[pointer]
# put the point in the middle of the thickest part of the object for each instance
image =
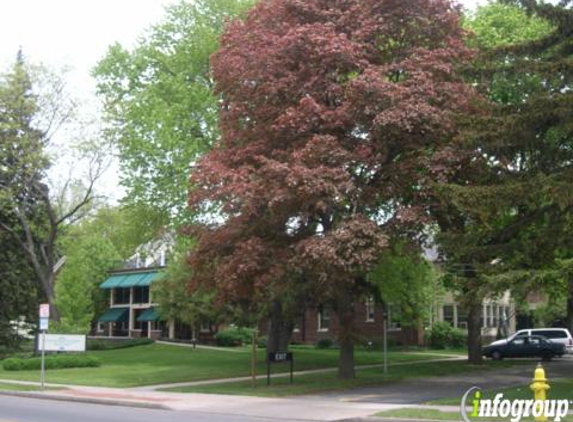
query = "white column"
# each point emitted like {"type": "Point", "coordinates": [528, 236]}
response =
{"type": "Point", "coordinates": [131, 321]}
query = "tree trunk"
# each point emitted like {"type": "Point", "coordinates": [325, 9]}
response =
{"type": "Point", "coordinates": [279, 329]}
{"type": "Point", "coordinates": [474, 333]}
{"type": "Point", "coordinates": [49, 289]}
{"type": "Point", "coordinates": [569, 321]}
{"type": "Point", "coordinates": [345, 313]}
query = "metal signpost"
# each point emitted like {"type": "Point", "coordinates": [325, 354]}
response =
{"type": "Point", "coordinates": [279, 357]}
{"type": "Point", "coordinates": [44, 312]}
{"type": "Point", "coordinates": [385, 337]}
{"type": "Point", "coordinates": [254, 359]}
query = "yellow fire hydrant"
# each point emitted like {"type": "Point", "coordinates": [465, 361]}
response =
{"type": "Point", "coordinates": [539, 386]}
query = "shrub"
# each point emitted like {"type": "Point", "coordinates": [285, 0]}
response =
{"type": "Point", "coordinates": [103, 344]}
{"type": "Point", "coordinates": [262, 342]}
{"type": "Point", "coordinates": [324, 343]}
{"type": "Point", "coordinates": [459, 339]}
{"type": "Point", "coordinates": [235, 336]}
{"type": "Point", "coordinates": [52, 362]}
{"type": "Point", "coordinates": [442, 336]}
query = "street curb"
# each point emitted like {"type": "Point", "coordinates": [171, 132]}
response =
{"type": "Point", "coordinates": [88, 400]}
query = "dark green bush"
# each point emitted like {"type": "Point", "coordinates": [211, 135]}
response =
{"type": "Point", "coordinates": [112, 344]}
{"type": "Point", "coordinates": [324, 343]}
{"type": "Point", "coordinates": [443, 336]}
{"type": "Point", "coordinates": [233, 337]}
{"type": "Point", "coordinates": [262, 342]}
{"type": "Point", "coordinates": [52, 362]}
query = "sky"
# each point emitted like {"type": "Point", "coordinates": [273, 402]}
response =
{"type": "Point", "coordinates": [75, 34]}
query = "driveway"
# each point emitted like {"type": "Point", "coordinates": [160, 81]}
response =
{"type": "Point", "coordinates": [422, 390]}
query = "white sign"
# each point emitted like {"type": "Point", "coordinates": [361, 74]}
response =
{"type": "Point", "coordinates": [45, 310]}
{"type": "Point", "coordinates": [44, 324]}
{"type": "Point", "coordinates": [64, 343]}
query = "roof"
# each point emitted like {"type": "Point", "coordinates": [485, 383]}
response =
{"type": "Point", "coordinates": [115, 315]}
{"type": "Point", "coordinates": [129, 279]}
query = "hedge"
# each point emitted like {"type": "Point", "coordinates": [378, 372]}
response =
{"type": "Point", "coordinates": [52, 362]}
{"type": "Point", "coordinates": [443, 336]}
{"type": "Point", "coordinates": [234, 337]}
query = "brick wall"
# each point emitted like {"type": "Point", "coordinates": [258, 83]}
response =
{"type": "Point", "coordinates": [307, 330]}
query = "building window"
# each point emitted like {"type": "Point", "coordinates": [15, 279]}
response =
{"type": "Point", "coordinates": [323, 320]}
{"type": "Point", "coordinates": [491, 318]}
{"type": "Point", "coordinates": [141, 295]}
{"type": "Point", "coordinates": [394, 317]}
{"type": "Point", "coordinates": [205, 327]}
{"type": "Point", "coordinates": [504, 314]}
{"type": "Point", "coordinates": [139, 325]}
{"type": "Point", "coordinates": [462, 318]}
{"type": "Point", "coordinates": [370, 309]}
{"type": "Point", "coordinates": [120, 296]}
{"type": "Point", "coordinates": [449, 314]}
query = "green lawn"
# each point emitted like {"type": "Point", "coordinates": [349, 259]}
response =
{"type": "Point", "coordinates": [156, 364]}
{"type": "Point", "coordinates": [419, 415]}
{"type": "Point", "coordinates": [562, 389]}
{"type": "Point", "coordinates": [315, 383]}
{"type": "Point", "coordinates": [20, 387]}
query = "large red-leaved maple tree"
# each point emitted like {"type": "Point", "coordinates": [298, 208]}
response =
{"type": "Point", "coordinates": [329, 112]}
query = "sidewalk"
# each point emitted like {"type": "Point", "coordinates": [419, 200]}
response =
{"type": "Point", "coordinates": [285, 374]}
{"type": "Point", "coordinates": [290, 409]}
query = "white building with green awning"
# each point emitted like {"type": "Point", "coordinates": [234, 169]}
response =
{"type": "Point", "coordinates": [132, 312]}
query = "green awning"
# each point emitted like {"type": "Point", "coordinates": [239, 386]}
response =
{"type": "Point", "coordinates": [151, 314]}
{"type": "Point", "coordinates": [115, 315]}
{"type": "Point", "coordinates": [135, 279]}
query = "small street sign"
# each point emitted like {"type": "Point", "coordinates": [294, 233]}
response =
{"type": "Point", "coordinates": [44, 324]}
{"type": "Point", "coordinates": [45, 310]}
{"type": "Point", "coordinates": [279, 357]}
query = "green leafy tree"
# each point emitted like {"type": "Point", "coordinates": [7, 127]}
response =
{"type": "Point", "coordinates": [506, 208]}
{"type": "Point", "coordinates": [160, 107]}
{"type": "Point", "coordinates": [32, 106]}
{"type": "Point", "coordinates": [123, 226]}
{"type": "Point", "coordinates": [405, 279]}
{"type": "Point", "coordinates": [19, 289]}
{"type": "Point", "coordinates": [322, 108]}
{"type": "Point", "coordinates": [500, 25]}
{"type": "Point", "coordinates": [176, 300]}
{"type": "Point", "coordinates": [78, 296]}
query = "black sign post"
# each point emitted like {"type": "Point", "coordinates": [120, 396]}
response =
{"type": "Point", "coordinates": [279, 357]}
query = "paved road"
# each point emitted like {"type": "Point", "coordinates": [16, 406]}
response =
{"type": "Point", "coordinates": [419, 391]}
{"type": "Point", "coordinates": [16, 409]}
